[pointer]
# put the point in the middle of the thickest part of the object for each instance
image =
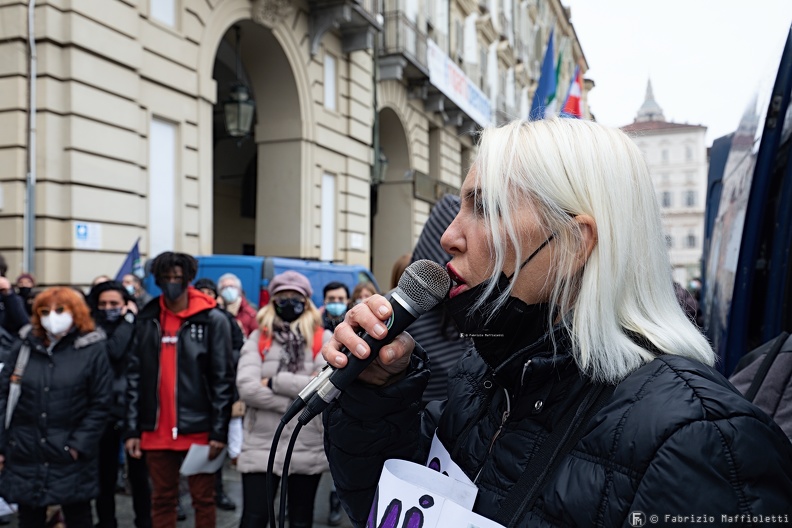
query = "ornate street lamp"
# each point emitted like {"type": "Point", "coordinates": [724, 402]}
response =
{"type": "Point", "coordinates": [239, 107]}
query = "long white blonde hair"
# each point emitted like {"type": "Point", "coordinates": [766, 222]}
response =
{"type": "Point", "coordinates": [568, 167]}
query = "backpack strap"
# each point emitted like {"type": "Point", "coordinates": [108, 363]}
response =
{"type": "Point", "coordinates": [556, 446]}
{"type": "Point", "coordinates": [15, 387]}
{"type": "Point", "coordinates": [265, 342]}
{"type": "Point", "coordinates": [764, 368]}
{"type": "Point", "coordinates": [317, 340]}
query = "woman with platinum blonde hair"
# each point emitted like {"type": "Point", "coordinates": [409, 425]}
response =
{"type": "Point", "coordinates": [588, 395]}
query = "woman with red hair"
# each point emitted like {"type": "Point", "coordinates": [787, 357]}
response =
{"type": "Point", "coordinates": [49, 438]}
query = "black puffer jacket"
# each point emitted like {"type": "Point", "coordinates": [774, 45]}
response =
{"type": "Point", "coordinates": [64, 403]}
{"type": "Point", "coordinates": [673, 439]}
{"type": "Point", "coordinates": [204, 378]}
{"type": "Point", "coordinates": [120, 345]}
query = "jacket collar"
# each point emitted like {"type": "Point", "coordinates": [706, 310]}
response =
{"type": "Point", "coordinates": [547, 354]}
{"type": "Point", "coordinates": [152, 310]}
{"type": "Point", "coordinates": [73, 338]}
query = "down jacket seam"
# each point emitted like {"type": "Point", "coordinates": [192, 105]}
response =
{"type": "Point", "coordinates": [617, 432]}
{"type": "Point", "coordinates": [607, 464]}
{"type": "Point", "coordinates": [685, 380]}
{"type": "Point", "coordinates": [677, 431]}
{"type": "Point", "coordinates": [734, 477]}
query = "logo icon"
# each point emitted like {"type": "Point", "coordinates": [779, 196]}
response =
{"type": "Point", "coordinates": [637, 518]}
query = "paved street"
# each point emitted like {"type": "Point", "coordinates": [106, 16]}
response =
{"type": "Point", "coordinates": [233, 486]}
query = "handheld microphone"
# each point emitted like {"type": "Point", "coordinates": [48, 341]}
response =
{"type": "Point", "coordinates": [422, 286]}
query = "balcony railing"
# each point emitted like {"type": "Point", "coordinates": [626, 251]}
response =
{"type": "Point", "coordinates": [401, 36]}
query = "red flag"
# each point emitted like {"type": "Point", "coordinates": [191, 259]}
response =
{"type": "Point", "coordinates": [572, 103]}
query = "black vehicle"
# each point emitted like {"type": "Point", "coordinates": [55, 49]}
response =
{"type": "Point", "coordinates": [747, 290]}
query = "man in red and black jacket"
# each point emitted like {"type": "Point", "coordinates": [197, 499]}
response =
{"type": "Point", "coordinates": [180, 387]}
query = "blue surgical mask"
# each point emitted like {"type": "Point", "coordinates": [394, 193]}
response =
{"type": "Point", "coordinates": [130, 289]}
{"type": "Point", "coordinates": [230, 294]}
{"type": "Point", "coordinates": [336, 309]}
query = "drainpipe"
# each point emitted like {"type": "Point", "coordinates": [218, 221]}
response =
{"type": "Point", "coordinates": [376, 167]}
{"type": "Point", "coordinates": [29, 236]}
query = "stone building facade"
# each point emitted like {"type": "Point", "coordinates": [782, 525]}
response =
{"type": "Point", "coordinates": [677, 157]}
{"type": "Point", "coordinates": [365, 112]}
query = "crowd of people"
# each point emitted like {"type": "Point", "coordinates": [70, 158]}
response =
{"type": "Point", "coordinates": [562, 377]}
{"type": "Point", "coordinates": [88, 376]}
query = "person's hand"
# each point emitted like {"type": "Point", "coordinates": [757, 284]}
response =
{"type": "Point", "coordinates": [133, 448]}
{"type": "Point", "coordinates": [74, 454]}
{"type": "Point", "coordinates": [214, 448]}
{"type": "Point", "coordinates": [130, 306]}
{"type": "Point", "coordinates": [369, 315]}
{"type": "Point", "coordinates": [265, 382]}
{"type": "Point", "coordinates": [5, 286]}
{"type": "Point", "coordinates": [2, 462]}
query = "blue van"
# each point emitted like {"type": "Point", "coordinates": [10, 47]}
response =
{"type": "Point", "coordinates": [257, 272]}
{"type": "Point", "coordinates": [747, 276]}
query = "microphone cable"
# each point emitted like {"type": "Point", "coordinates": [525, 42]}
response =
{"type": "Point", "coordinates": [285, 477]}
{"type": "Point", "coordinates": [421, 287]}
{"type": "Point", "coordinates": [269, 488]}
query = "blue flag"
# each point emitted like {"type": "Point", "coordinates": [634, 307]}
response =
{"type": "Point", "coordinates": [132, 263]}
{"type": "Point", "coordinates": [547, 83]}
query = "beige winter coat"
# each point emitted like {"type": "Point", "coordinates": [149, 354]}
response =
{"type": "Point", "coordinates": [264, 408]}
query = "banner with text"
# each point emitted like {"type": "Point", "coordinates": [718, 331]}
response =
{"type": "Point", "coordinates": [454, 84]}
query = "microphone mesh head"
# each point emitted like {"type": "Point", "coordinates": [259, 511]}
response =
{"type": "Point", "coordinates": [426, 283]}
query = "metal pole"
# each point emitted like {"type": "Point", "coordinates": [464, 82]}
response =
{"type": "Point", "coordinates": [29, 240]}
{"type": "Point", "coordinates": [376, 167]}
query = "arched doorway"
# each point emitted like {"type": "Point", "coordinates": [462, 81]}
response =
{"type": "Point", "coordinates": [393, 218]}
{"type": "Point", "coordinates": [257, 180]}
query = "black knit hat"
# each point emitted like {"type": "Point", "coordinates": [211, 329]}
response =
{"type": "Point", "coordinates": [206, 284]}
{"type": "Point", "coordinates": [441, 216]}
{"type": "Point", "coordinates": [93, 296]}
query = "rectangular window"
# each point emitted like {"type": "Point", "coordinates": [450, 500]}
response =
{"type": "Point", "coordinates": [330, 93]}
{"type": "Point", "coordinates": [162, 186]}
{"type": "Point", "coordinates": [664, 155]}
{"type": "Point", "coordinates": [669, 241]}
{"type": "Point", "coordinates": [690, 198]}
{"type": "Point", "coordinates": [691, 240]}
{"type": "Point", "coordinates": [666, 200]}
{"type": "Point", "coordinates": [328, 227]}
{"type": "Point", "coordinates": [163, 11]}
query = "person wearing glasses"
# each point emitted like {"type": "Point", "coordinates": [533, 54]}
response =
{"type": "Point", "coordinates": [179, 387]}
{"type": "Point", "coordinates": [56, 413]}
{"type": "Point", "coordinates": [278, 360]}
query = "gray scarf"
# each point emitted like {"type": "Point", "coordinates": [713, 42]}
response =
{"type": "Point", "coordinates": [293, 346]}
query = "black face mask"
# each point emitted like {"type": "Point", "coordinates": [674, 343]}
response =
{"type": "Point", "coordinates": [110, 316]}
{"type": "Point", "coordinates": [173, 290]}
{"type": "Point", "coordinates": [514, 326]}
{"type": "Point", "coordinates": [24, 292]}
{"type": "Point", "coordinates": [289, 309]}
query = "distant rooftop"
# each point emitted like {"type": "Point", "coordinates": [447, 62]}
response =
{"type": "Point", "coordinates": [647, 126]}
{"type": "Point", "coordinates": [650, 110]}
{"type": "Point", "coordinates": [650, 116]}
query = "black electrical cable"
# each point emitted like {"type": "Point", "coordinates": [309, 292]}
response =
{"type": "Point", "coordinates": [269, 488]}
{"type": "Point", "coordinates": [285, 475]}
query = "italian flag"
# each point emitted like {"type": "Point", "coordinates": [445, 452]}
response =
{"type": "Point", "coordinates": [572, 103]}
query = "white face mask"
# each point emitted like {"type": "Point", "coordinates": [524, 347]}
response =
{"type": "Point", "coordinates": [230, 294]}
{"type": "Point", "coordinates": [57, 324]}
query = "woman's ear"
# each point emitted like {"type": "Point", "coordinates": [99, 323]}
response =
{"type": "Point", "coordinates": [588, 234]}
